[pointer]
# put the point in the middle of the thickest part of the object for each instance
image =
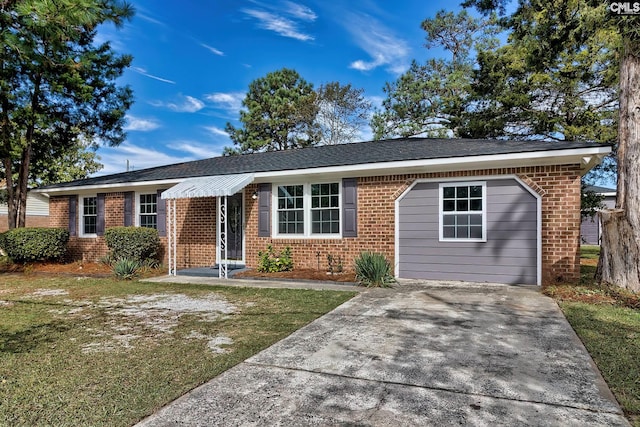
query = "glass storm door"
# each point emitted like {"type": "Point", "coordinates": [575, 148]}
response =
{"type": "Point", "coordinates": [234, 227]}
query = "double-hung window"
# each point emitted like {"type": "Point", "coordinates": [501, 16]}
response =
{"type": "Point", "coordinates": [291, 209]}
{"type": "Point", "coordinates": [148, 210]}
{"type": "Point", "coordinates": [308, 209]}
{"type": "Point", "coordinates": [89, 215]}
{"type": "Point", "coordinates": [463, 211]}
{"type": "Point", "coordinates": [325, 208]}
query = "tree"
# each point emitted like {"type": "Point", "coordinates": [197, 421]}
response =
{"type": "Point", "coordinates": [58, 93]}
{"type": "Point", "coordinates": [342, 112]}
{"type": "Point", "coordinates": [432, 98]}
{"type": "Point", "coordinates": [280, 115]}
{"type": "Point", "coordinates": [574, 24]}
{"type": "Point", "coordinates": [527, 89]}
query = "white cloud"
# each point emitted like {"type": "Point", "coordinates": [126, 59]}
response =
{"type": "Point", "coordinates": [187, 104]}
{"type": "Point", "coordinates": [214, 130]}
{"type": "Point", "coordinates": [279, 24]}
{"type": "Point", "coordinates": [376, 101]}
{"type": "Point", "coordinates": [197, 149]}
{"type": "Point", "coordinates": [143, 72]}
{"type": "Point", "coordinates": [230, 101]}
{"type": "Point", "coordinates": [115, 159]}
{"type": "Point", "coordinates": [150, 19]}
{"type": "Point", "coordinates": [212, 49]}
{"type": "Point", "coordinates": [299, 11]}
{"type": "Point", "coordinates": [138, 124]}
{"type": "Point", "coordinates": [383, 47]}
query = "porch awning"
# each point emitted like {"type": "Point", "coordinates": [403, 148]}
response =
{"type": "Point", "coordinates": [209, 186]}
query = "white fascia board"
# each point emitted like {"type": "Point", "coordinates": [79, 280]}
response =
{"type": "Point", "coordinates": [128, 186]}
{"type": "Point", "coordinates": [536, 158]}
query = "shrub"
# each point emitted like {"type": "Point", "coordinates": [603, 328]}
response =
{"type": "Point", "coordinates": [126, 268]}
{"type": "Point", "coordinates": [133, 243]}
{"type": "Point", "coordinates": [270, 262]}
{"type": "Point", "coordinates": [35, 244]}
{"type": "Point", "coordinates": [373, 270]}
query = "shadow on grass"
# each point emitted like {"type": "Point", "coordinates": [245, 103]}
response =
{"type": "Point", "coordinates": [31, 338]}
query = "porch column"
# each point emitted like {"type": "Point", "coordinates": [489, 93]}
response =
{"type": "Point", "coordinates": [222, 236]}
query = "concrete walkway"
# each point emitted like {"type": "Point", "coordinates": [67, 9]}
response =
{"type": "Point", "coordinates": [419, 354]}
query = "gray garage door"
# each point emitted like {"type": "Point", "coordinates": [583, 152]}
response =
{"type": "Point", "coordinates": [509, 254]}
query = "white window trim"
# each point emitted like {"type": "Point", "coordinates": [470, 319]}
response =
{"type": "Point", "coordinates": [137, 205]}
{"type": "Point", "coordinates": [81, 232]}
{"type": "Point", "coordinates": [441, 214]}
{"type": "Point", "coordinates": [306, 194]}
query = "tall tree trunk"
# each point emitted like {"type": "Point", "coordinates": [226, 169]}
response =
{"type": "Point", "coordinates": [23, 184]}
{"type": "Point", "coordinates": [6, 162]}
{"type": "Point", "coordinates": [619, 261]}
{"type": "Point", "coordinates": [20, 196]}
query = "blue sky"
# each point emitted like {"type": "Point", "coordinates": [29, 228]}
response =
{"type": "Point", "coordinates": [194, 60]}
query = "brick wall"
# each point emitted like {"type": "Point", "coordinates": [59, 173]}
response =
{"type": "Point", "coordinates": [30, 221]}
{"type": "Point", "coordinates": [559, 187]}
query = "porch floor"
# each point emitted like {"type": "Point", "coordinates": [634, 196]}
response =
{"type": "Point", "coordinates": [211, 271]}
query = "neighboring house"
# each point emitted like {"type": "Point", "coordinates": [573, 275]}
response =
{"type": "Point", "coordinates": [590, 228]}
{"type": "Point", "coordinates": [443, 209]}
{"type": "Point", "coordinates": [37, 214]}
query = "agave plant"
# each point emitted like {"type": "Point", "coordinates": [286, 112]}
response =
{"type": "Point", "coordinates": [373, 270]}
{"type": "Point", "coordinates": [126, 269]}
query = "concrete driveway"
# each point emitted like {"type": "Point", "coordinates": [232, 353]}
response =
{"type": "Point", "coordinates": [419, 354]}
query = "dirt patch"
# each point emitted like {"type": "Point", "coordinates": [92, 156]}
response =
{"type": "Point", "coordinates": [299, 274]}
{"type": "Point", "coordinates": [140, 317]}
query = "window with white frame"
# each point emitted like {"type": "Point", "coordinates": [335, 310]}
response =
{"type": "Point", "coordinates": [308, 209]}
{"type": "Point", "coordinates": [89, 215]}
{"type": "Point", "coordinates": [148, 210]}
{"type": "Point", "coordinates": [325, 208]}
{"type": "Point", "coordinates": [462, 211]}
{"type": "Point", "coordinates": [290, 209]}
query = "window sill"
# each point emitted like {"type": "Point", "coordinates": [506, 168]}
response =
{"type": "Point", "coordinates": [463, 240]}
{"type": "Point", "coordinates": [310, 237]}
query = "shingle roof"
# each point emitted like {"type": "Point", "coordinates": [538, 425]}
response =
{"type": "Point", "coordinates": [390, 150]}
{"type": "Point", "coordinates": [598, 189]}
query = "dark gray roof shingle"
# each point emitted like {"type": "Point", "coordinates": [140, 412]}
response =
{"type": "Point", "coordinates": [390, 150]}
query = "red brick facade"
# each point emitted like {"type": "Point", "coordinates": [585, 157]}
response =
{"type": "Point", "coordinates": [559, 187]}
{"type": "Point", "coordinates": [30, 221]}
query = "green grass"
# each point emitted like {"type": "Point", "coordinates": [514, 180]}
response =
{"type": "Point", "coordinates": [612, 337]}
{"type": "Point", "coordinates": [607, 320]}
{"type": "Point", "coordinates": [80, 351]}
{"type": "Point", "coordinates": [589, 251]}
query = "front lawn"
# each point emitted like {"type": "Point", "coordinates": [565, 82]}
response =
{"type": "Point", "coordinates": [87, 351]}
{"type": "Point", "coordinates": [607, 320]}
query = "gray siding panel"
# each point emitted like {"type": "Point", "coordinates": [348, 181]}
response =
{"type": "Point", "coordinates": [508, 256]}
{"type": "Point", "coordinates": [590, 231]}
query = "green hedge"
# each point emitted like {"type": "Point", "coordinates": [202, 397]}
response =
{"type": "Point", "coordinates": [132, 243]}
{"type": "Point", "coordinates": [35, 244]}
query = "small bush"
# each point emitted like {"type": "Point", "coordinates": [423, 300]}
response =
{"type": "Point", "coordinates": [5, 263]}
{"type": "Point", "coordinates": [35, 244]}
{"type": "Point", "coordinates": [270, 262]}
{"type": "Point", "coordinates": [373, 270]}
{"type": "Point", "coordinates": [126, 269]}
{"type": "Point", "coordinates": [134, 243]}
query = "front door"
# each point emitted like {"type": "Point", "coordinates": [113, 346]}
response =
{"type": "Point", "coordinates": [234, 227]}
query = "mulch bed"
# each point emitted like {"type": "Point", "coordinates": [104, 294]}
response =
{"type": "Point", "coordinates": [299, 274]}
